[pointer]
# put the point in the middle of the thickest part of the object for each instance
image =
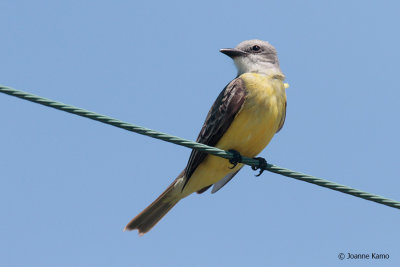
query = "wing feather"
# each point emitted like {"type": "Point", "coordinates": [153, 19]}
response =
{"type": "Point", "coordinates": [217, 122]}
{"type": "Point", "coordinates": [282, 122]}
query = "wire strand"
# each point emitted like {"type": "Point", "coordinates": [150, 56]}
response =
{"type": "Point", "coordinates": [201, 147]}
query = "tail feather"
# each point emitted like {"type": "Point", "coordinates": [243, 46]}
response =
{"type": "Point", "coordinates": [151, 215]}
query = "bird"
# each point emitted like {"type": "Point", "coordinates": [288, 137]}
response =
{"type": "Point", "coordinates": [243, 119]}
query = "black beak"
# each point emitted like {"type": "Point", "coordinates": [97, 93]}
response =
{"type": "Point", "coordinates": [233, 52]}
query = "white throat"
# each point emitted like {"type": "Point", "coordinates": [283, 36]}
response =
{"type": "Point", "coordinates": [255, 65]}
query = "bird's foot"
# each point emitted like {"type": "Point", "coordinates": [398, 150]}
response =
{"type": "Point", "coordinates": [262, 165]}
{"type": "Point", "coordinates": [236, 158]}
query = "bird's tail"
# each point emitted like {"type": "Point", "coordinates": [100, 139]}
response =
{"type": "Point", "coordinates": [151, 215]}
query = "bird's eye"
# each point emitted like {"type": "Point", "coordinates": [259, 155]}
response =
{"type": "Point", "coordinates": [255, 48]}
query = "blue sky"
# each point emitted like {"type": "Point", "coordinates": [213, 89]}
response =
{"type": "Point", "coordinates": [69, 185]}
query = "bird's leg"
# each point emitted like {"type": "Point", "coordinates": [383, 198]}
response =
{"type": "Point", "coordinates": [262, 165]}
{"type": "Point", "coordinates": [236, 158]}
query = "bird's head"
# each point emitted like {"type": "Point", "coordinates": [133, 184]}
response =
{"type": "Point", "coordinates": [254, 56]}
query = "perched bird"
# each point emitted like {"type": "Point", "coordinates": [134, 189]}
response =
{"type": "Point", "coordinates": [244, 118]}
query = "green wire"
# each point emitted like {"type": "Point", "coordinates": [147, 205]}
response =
{"type": "Point", "coordinates": [198, 146]}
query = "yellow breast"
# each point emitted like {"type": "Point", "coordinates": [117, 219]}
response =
{"type": "Point", "coordinates": [251, 130]}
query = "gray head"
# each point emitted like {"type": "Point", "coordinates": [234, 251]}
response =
{"type": "Point", "coordinates": [254, 56]}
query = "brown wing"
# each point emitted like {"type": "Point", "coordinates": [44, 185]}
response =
{"type": "Point", "coordinates": [282, 122]}
{"type": "Point", "coordinates": [218, 120]}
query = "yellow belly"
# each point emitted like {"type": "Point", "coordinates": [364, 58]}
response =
{"type": "Point", "coordinates": [251, 130]}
